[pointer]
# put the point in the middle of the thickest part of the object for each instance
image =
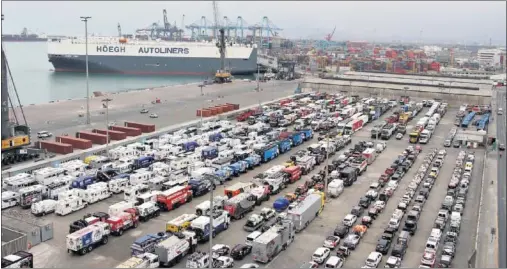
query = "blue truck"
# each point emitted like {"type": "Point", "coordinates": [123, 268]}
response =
{"type": "Point", "coordinates": [284, 145]}
{"type": "Point", "coordinates": [238, 167]}
{"type": "Point", "coordinates": [82, 182]}
{"type": "Point", "coordinates": [308, 134]}
{"type": "Point", "coordinates": [147, 243]}
{"type": "Point", "coordinates": [209, 153]}
{"type": "Point", "coordinates": [189, 146]}
{"type": "Point", "coordinates": [224, 174]}
{"type": "Point", "coordinates": [268, 153]}
{"type": "Point", "coordinates": [215, 137]}
{"type": "Point", "coordinates": [297, 138]}
{"type": "Point", "coordinates": [253, 161]}
{"type": "Point", "coordinates": [143, 162]}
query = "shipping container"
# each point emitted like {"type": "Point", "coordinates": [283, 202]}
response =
{"type": "Point", "coordinates": [130, 131]}
{"type": "Point", "coordinates": [99, 139]}
{"type": "Point", "coordinates": [78, 143]}
{"type": "Point", "coordinates": [145, 128]}
{"type": "Point", "coordinates": [55, 147]}
{"type": "Point", "coordinates": [32, 231]}
{"type": "Point", "coordinates": [198, 113]}
{"type": "Point", "coordinates": [206, 113]}
{"type": "Point", "coordinates": [214, 111]}
{"type": "Point", "coordinates": [235, 106]}
{"type": "Point", "coordinates": [219, 109]}
{"type": "Point", "coordinates": [13, 241]}
{"type": "Point", "coordinates": [113, 135]}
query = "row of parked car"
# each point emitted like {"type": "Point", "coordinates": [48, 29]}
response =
{"type": "Point", "coordinates": [447, 225]}
{"type": "Point", "coordinates": [348, 233]}
{"type": "Point", "coordinates": [418, 196]}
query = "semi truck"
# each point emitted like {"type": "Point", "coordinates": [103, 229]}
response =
{"type": "Point", "coordinates": [171, 250]}
{"type": "Point", "coordinates": [239, 205]}
{"type": "Point", "coordinates": [306, 210]}
{"type": "Point", "coordinates": [268, 152]}
{"type": "Point", "coordinates": [273, 241]}
{"type": "Point", "coordinates": [86, 239]}
{"type": "Point", "coordinates": [388, 131]}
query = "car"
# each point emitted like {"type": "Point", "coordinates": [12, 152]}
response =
{"type": "Point", "coordinates": [399, 136]}
{"type": "Point", "coordinates": [500, 111]}
{"type": "Point", "coordinates": [383, 246]}
{"type": "Point", "coordinates": [252, 265]}
{"type": "Point", "coordinates": [456, 144]}
{"type": "Point", "coordinates": [420, 199]}
{"type": "Point", "coordinates": [428, 258]}
{"type": "Point", "coordinates": [380, 205]}
{"type": "Point", "coordinates": [331, 242]}
{"type": "Point", "coordinates": [393, 262]}
{"type": "Point", "coordinates": [364, 202]}
{"type": "Point", "coordinates": [310, 264]}
{"type": "Point", "coordinates": [373, 259]}
{"type": "Point", "coordinates": [399, 250]}
{"type": "Point", "coordinates": [341, 230]}
{"type": "Point", "coordinates": [144, 111]}
{"type": "Point", "coordinates": [349, 220]}
{"type": "Point", "coordinates": [501, 147]}
{"type": "Point", "coordinates": [153, 116]}
{"type": "Point", "coordinates": [320, 255]}
{"type": "Point", "coordinates": [239, 251]}
{"type": "Point", "coordinates": [267, 213]}
{"type": "Point", "coordinates": [351, 241]}
{"type": "Point", "coordinates": [220, 250]}
{"type": "Point", "coordinates": [398, 175]}
{"type": "Point", "coordinates": [44, 134]}
{"type": "Point", "coordinates": [357, 211]}
{"type": "Point", "coordinates": [223, 262]}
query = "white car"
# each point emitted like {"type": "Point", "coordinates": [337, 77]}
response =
{"type": "Point", "coordinates": [153, 115]}
{"type": "Point", "coordinates": [249, 265]}
{"type": "Point", "coordinates": [380, 205]}
{"type": "Point", "coordinates": [44, 134]}
{"type": "Point", "coordinates": [349, 220]}
{"type": "Point", "coordinates": [320, 255]}
{"type": "Point", "coordinates": [223, 262]}
{"type": "Point", "coordinates": [373, 259]}
{"type": "Point", "coordinates": [268, 213]}
{"type": "Point", "coordinates": [331, 241]}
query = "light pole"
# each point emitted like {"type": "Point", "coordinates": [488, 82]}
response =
{"type": "Point", "coordinates": [85, 19]}
{"type": "Point", "coordinates": [106, 101]}
{"type": "Point", "coordinates": [213, 179]}
{"type": "Point", "coordinates": [202, 94]}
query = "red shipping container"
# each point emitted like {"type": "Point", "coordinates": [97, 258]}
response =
{"type": "Point", "coordinates": [214, 111]}
{"type": "Point", "coordinates": [206, 112]}
{"type": "Point", "coordinates": [130, 131]}
{"type": "Point", "coordinates": [78, 143]}
{"type": "Point", "coordinates": [95, 138]}
{"type": "Point", "coordinates": [55, 147]}
{"type": "Point", "coordinates": [145, 128]}
{"type": "Point", "coordinates": [235, 106]}
{"type": "Point", "coordinates": [219, 109]}
{"type": "Point", "coordinates": [199, 112]}
{"type": "Point", "coordinates": [113, 135]}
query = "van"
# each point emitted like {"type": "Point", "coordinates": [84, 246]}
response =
{"type": "Point", "coordinates": [432, 244]}
{"type": "Point", "coordinates": [335, 188]}
{"type": "Point", "coordinates": [455, 217]}
{"type": "Point", "coordinates": [436, 233]}
{"type": "Point", "coordinates": [251, 237]}
{"type": "Point", "coordinates": [404, 238]}
{"type": "Point", "coordinates": [334, 262]}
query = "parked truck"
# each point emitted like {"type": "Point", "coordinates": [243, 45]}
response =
{"type": "Point", "coordinates": [123, 221]}
{"type": "Point", "coordinates": [86, 239]}
{"type": "Point", "coordinates": [174, 197]}
{"type": "Point", "coordinates": [268, 152]}
{"type": "Point", "coordinates": [388, 131]}
{"type": "Point", "coordinates": [273, 241]}
{"type": "Point", "coordinates": [199, 228]}
{"type": "Point", "coordinates": [239, 205]}
{"type": "Point", "coordinates": [306, 210]}
{"type": "Point", "coordinates": [171, 250]}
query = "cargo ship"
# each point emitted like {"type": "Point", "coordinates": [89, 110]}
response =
{"type": "Point", "coordinates": [23, 38]}
{"type": "Point", "coordinates": [149, 57]}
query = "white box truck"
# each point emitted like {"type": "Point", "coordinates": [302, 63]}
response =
{"type": "Point", "coordinates": [173, 249]}
{"type": "Point", "coordinates": [306, 210]}
{"type": "Point", "coordinates": [273, 241]}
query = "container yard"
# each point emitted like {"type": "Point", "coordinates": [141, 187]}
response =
{"type": "Point", "coordinates": [377, 175]}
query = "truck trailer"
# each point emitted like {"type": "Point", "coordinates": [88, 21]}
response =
{"type": "Point", "coordinates": [273, 241]}
{"type": "Point", "coordinates": [306, 210]}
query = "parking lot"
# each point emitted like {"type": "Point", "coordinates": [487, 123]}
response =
{"type": "Point", "coordinates": [54, 254]}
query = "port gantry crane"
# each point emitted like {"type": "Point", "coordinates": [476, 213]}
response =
{"type": "Point", "coordinates": [222, 75]}
{"type": "Point", "coordinates": [166, 31]}
{"type": "Point", "coordinates": [15, 130]}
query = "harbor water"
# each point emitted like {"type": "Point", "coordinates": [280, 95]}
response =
{"type": "Point", "coordinates": [37, 83]}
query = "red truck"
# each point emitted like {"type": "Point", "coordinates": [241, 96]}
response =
{"type": "Point", "coordinates": [174, 197]}
{"type": "Point", "coordinates": [128, 219]}
{"type": "Point", "coordinates": [294, 172]}
{"type": "Point", "coordinates": [244, 116]}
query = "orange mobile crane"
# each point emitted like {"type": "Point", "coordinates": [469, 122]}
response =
{"type": "Point", "coordinates": [15, 134]}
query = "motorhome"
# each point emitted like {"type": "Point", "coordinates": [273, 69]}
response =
{"type": "Point", "coordinates": [46, 175]}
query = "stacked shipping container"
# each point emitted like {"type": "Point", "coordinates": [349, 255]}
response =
{"type": "Point", "coordinates": [78, 143]}
{"type": "Point", "coordinates": [216, 110]}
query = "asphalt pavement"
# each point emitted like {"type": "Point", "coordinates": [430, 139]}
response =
{"type": "Point", "coordinates": [501, 179]}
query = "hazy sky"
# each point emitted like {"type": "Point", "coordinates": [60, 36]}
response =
{"type": "Point", "coordinates": [374, 21]}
